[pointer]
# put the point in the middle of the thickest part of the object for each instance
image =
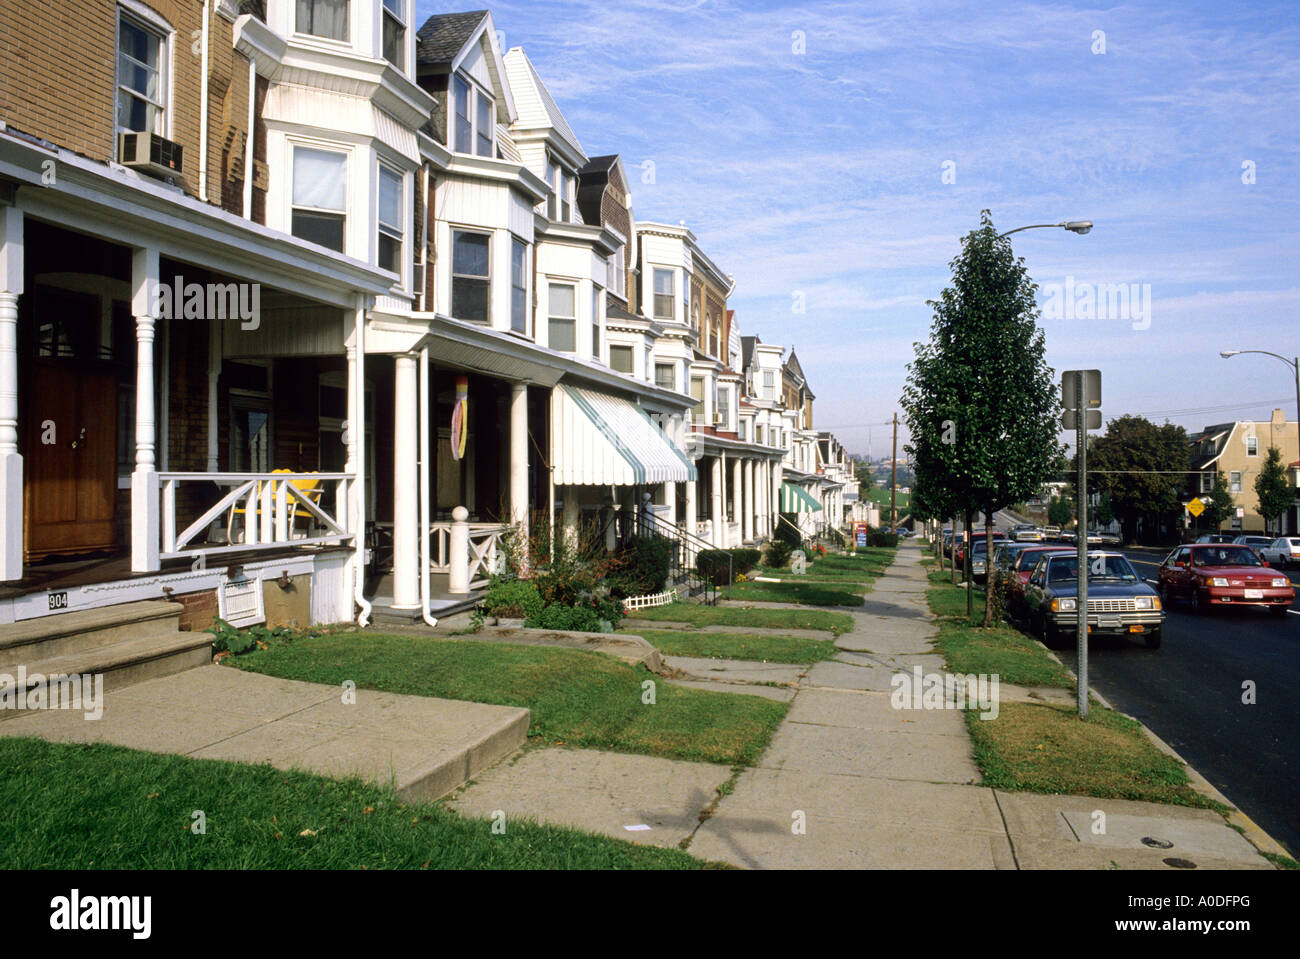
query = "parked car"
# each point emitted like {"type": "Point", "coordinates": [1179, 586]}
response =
{"type": "Point", "coordinates": [1223, 574]}
{"type": "Point", "coordinates": [1026, 533]}
{"type": "Point", "coordinates": [1106, 539]}
{"type": "Point", "coordinates": [1284, 552]}
{"type": "Point", "coordinates": [978, 538]}
{"type": "Point", "coordinates": [1051, 533]}
{"type": "Point", "coordinates": [1216, 538]}
{"type": "Point", "coordinates": [1119, 602]}
{"type": "Point", "coordinates": [1018, 573]}
{"type": "Point", "coordinates": [1254, 542]}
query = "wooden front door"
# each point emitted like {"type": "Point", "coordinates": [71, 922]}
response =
{"type": "Point", "coordinates": [69, 437]}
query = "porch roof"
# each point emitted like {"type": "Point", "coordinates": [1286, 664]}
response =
{"type": "Point", "coordinates": [599, 439]}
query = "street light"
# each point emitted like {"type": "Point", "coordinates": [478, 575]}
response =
{"type": "Point", "coordinates": [1294, 364]}
{"type": "Point", "coordinates": [1074, 226]}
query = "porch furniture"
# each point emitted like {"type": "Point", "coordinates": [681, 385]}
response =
{"type": "Point", "coordinates": [304, 490]}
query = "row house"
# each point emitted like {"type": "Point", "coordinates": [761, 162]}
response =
{"type": "Point", "coordinates": [303, 304]}
{"type": "Point", "coordinates": [1238, 451]}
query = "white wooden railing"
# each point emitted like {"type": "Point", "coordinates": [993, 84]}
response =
{"type": "Point", "coordinates": [479, 558]}
{"type": "Point", "coordinates": [260, 511]}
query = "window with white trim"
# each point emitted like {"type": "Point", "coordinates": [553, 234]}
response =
{"type": "Point", "coordinates": [664, 294]}
{"type": "Point", "coordinates": [1252, 446]}
{"type": "Point", "coordinates": [595, 323]}
{"type": "Point", "coordinates": [1207, 482]}
{"type": "Point", "coordinates": [323, 18]}
{"type": "Point", "coordinates": [562, 317]}
{"type": "Point", "coordinates": [320, 196]}
{"type": "Point", "coordinates": [552, 172]}
{"type": "Point", "coordinates": [1234, 482]}
{"type": "Point", "coordinates": [484, 122]}
{"type": "Point", "coordinates": [697, 394]}
{"type": "Point", "coordinates": [141, 77]}
{"type": "Point", "coordinates": [390, 219]}
{"type": "Point", "coordinates": [471, 275]}
{"type": "Point", "coordinates": [769, 384]}
{"type": "Point", "coordinates": [622, 359]}
{"type": "Point", "coordinates": [464, 120]}
{"type": "Point", "coordinates": [394, 38]}
{"type": "Point", "coordinates": [743, 431]}
{"type": "Point", "coordinates": [519, 286]}
{"type": "Point", "coordinates": [666, 376]}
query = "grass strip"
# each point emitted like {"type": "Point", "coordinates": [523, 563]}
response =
{"type": "Point", "coordinates": [802, 593]}
{"type": "Point", "coordinates": [700, 615]}
{"type": "Point", "coordinates": [767, 649]}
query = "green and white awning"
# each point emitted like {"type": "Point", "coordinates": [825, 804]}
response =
{"type": "Point", "coordinates": [795, 499]}
{"type": "Point", "coordinates": [599, 439]}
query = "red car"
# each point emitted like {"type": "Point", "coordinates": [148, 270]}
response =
{"type": "Point", "coordinates": [1022, 567]}
{"type": "Point", "coordinates": [1223, 574]}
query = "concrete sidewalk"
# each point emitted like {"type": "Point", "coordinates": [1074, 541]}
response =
{"type": "Point", "coordinates": [423, 747]}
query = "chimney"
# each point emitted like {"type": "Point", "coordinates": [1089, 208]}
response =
{"type": "Point", "coordinates": [1279, 419]}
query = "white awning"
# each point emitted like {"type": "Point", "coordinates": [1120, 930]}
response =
{"type": "Point", "coordinates": [598, 439]}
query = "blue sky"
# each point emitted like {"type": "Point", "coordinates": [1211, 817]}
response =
{"type": "Point", "coordinates": [820, 173]}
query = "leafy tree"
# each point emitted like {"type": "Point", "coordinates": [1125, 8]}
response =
{"type": "Point", "coordinates": [1220, 506]}
{"type": "Point", "coordinates": [1103, 513]}
{"type": "Point", "coordinates": [866, 480]}
{"type": "Point", "coordinates": [1140, 467]}
{"type": "Point", "coordinates": [1273, 489]}
{"type": "Point", "coordinates": [1060, 511]}
{"type": "Point", "coordinates": [981, 402]}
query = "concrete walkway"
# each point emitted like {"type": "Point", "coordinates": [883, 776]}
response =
{"type": "Point", "coordinates": [848, 780]}
{"type": "Point", "coordinates": [423, 747]}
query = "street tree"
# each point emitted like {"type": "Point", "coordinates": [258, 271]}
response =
{"type": "Point", "coordinates": [980, 401]}
{"type": "Point", "coordinates": [1220, 506]}
{"type": "Point", "coordinates": [1140, 467]}
{"type": "Point", "coordinates": [1273, 489]}
{"type": "Point", "coordinates": [1060, 511]}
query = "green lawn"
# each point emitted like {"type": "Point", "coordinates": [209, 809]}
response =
{"type": "Point", "coordinates": [867, 566]}
{"type": "Point", "coordinates": [700, 615]}
{"type": "Point", "coordinates": [106, 807]}
{"type": "Point", "coordinates": [769, 649]}
{"type": "Point", "coordinates": [803, 593]}
{"type": "Point", "coordinates": [577, 698]}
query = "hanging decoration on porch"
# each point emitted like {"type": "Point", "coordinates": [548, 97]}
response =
{"type": "Point", "coordinates": [460, 418]}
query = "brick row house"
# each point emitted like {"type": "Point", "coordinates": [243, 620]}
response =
{"type": "Point", "coordinates": [302, 305]}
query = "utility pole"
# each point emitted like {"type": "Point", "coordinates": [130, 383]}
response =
{"type": "Point", "coordinates": [893, 480]}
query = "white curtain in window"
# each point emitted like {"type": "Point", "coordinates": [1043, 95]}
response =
{"type": "Point", "coordinates": [390, 199]}
{"type": "Point", "coordinates": [323, 18]}
{"type": "Point", "coordinates": [319, 179]}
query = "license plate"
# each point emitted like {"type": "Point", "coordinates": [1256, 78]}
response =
{"type": "Point", "coordinates": [1254, 594]}
{"type": "Point", "coordinates": [1108, 624]}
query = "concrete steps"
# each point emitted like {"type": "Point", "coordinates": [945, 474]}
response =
{"type": "Point", "coordinates": [126, 644]}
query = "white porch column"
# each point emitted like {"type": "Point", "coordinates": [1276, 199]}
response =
{"type": "Point", "coordinates": [144, 480]}
{"type": "Point", "coordinates": [777, 470]}
{"type": "Point", "coordinates": [670, 501]}
{"type": "Point", "coordinates": [691, 518]}
{"type": "Point", "coordinates": [519, 453]}
{"type": "Point", "coordinates": [747, 530]}
{"type": "Point", "coordinates": [719, 535]}
{"type": "Point", "coordinates": [406, 484]}
{"type": "Point", "coordinates": [737, 499]}
{"type": "Point", "coordinates": [11, 463]}
{"type": "Point", "coordinates": [458, 552]}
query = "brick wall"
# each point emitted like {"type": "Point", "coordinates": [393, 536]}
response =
{"type": "Point", "coordinates": [200, 610]}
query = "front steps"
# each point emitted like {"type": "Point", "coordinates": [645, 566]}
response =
{"type": "Point", "coordinates": [126, 644]}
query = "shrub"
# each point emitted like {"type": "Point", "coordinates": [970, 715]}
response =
{"type": "Point", "coordinates": [514, 598]}
{"type": "Point", "coordinates": [642, 566]}
{"type": "Point", "coordinates": [558, 616]}
{"type": "Point", "coordinates": [743, 560]}
{"type": "Point", "coordinates": [880, 537]}
{"type": "Point", "coordinates": [779, 553]}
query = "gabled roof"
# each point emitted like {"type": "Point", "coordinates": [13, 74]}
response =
{"type": "Point", "coordinates": [792, 364]}
{"type": "Point", "coordinates": [537, 108]}
{"type": "Point", "coordinates": [1219, 436]}
{"type": "Point", "coordinates": [444, 36]}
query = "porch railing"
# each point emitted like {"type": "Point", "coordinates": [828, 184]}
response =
{"type": "Point", "coordinates": [477, 561]}
{"type": "Point", "coordinates": [270, 510]}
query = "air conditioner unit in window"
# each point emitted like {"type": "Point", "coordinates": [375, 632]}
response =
{"type": "Point", "coordinates": [151, 153]}
{"type": "Point", "coordinates": [719, 419]}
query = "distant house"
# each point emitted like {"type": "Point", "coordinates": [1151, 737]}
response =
{"type": "Point", "coordinates": [1238, 451]}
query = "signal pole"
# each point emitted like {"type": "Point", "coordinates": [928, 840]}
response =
{"type": "Point", "coordinates": [893, 479]}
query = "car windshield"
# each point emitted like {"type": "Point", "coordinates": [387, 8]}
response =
{"type": "Point", "coordinates": [1116, 568]}
{"type": "Point", "coordinates": [1225, 556]}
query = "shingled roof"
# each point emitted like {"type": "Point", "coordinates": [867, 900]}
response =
{"type": "Point", "coordinates": [443, 36]}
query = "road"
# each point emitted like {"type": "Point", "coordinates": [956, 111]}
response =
{"type": "Point", "coordinates": [1190, 691]}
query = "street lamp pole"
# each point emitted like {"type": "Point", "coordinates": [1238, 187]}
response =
{"type": "Point", "coordinates": [1074, 226]}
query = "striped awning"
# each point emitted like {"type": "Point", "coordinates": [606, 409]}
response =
{"type": "Point", "coordinates": [795, 499]}
{"type": "Point", "coordinates": [599, 439]}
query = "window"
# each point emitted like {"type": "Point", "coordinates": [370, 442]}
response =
{"type": "Point", "coordinates": [617, 275]}
{"type": "Point", "coordinates": [743, 431]}
{"type": "Point", "coordinates": [470, 275]}
{"type": "Point", "coordinates": [464, 124]}
{"type": "Point", "coordinates": [1234, 481]}
{"type": "Point", "coordinates": [552, 171]}
{"type": "Point", "coordinates": [323, 18]}
{"type": "Point", "coordinates": [562, 329]}
{"type": "Point", "coordinates": [723, 407]}
{"type": "Point", "coordinates": [1207, 482]}
{"type": "Point", "coordinates": [1252, 446]}
{"type": "Point", "coordinates": [664, 295]}
{"type": "Point", "coordinates": [319, 196]}
{"type": "Point", "coordinates": [390, 220]}
{"type": "Point", "coordinates": [566, 204]}
{"type": "Point", "coordinates": [484, 126]}
{"type": "Point", "coordinates": [519, 286]}
{"type": "Point", "coordinates": [395, 33]}
{"type": "Point", "coordinates": [595, 324]}
{"type": "Point", "coordinates": [620, 358]}
{"type": "Point", "coordinates": [697, 393]}
{"type": "Point", "coordinates": [665, 376]}
{"type": "Point", "coordinates": [769, 384]}
{"type": "Point", "coordinates": [141, 94]}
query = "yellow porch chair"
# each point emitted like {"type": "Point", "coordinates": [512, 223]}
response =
{"type": "Point", "coordinates": [310, 489]}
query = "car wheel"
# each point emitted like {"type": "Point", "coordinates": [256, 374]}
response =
{"type": "Point", "coordinates": [1153, 639]}
{"type": "Point", "coordinates": [1198, 606]}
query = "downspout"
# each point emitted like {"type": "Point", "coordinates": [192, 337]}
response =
{"type": "Point", "coordinates": [203, 105]}
{"type": "Point", "coordinates": [424, 487]}
{"type": "Point", "coordinates": [249, 160]}
{"type": "Point", "coordinates": [359, 464]}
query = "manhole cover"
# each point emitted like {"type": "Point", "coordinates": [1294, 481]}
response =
{"type": "Point", "coordinates": [1180, 863]}
{"type": "Point", "coordinates": [1157, 843]}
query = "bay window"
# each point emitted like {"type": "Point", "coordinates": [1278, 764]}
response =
{"type": "Point", "coordinates": [323, 18]}
{"type": "Point", "coordinates": [319, 196]}
{"type": "Point", "coordinates": [621, 359]}
{"type": "Point", "coordinates": [595, 322]}
{"type": "Point", "coordinates": [519, 286]}
{"type": "Point", "coordinates": [562, 317]}
{"type": "Point", "coordinates": [664, 295]}
{"type": "Point", "coordinates": [390, 220]}
{"type": "Point", "coordinates": [665, 376]}
{"type": "Point", "coordinates": [470, 275]}
{"type": "Point", "coordinates": [395, 33]}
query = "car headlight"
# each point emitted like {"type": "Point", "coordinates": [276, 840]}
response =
{"type": "Point", "coordinates": [1281, 582]}
{"type": "Point", "coordinates": [1143, 602]}
{"type": "Point", "coordinates": [1218, 581]}
{"type": "Point", "coordinates": [1064, 605]}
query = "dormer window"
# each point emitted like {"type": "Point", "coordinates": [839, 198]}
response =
{"type": "Point", "coordinates": [475, 119]}
{"type": "Point", "coordinates": [323, 18]}
{"type": "Point", "coordinates": [395, 33]}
